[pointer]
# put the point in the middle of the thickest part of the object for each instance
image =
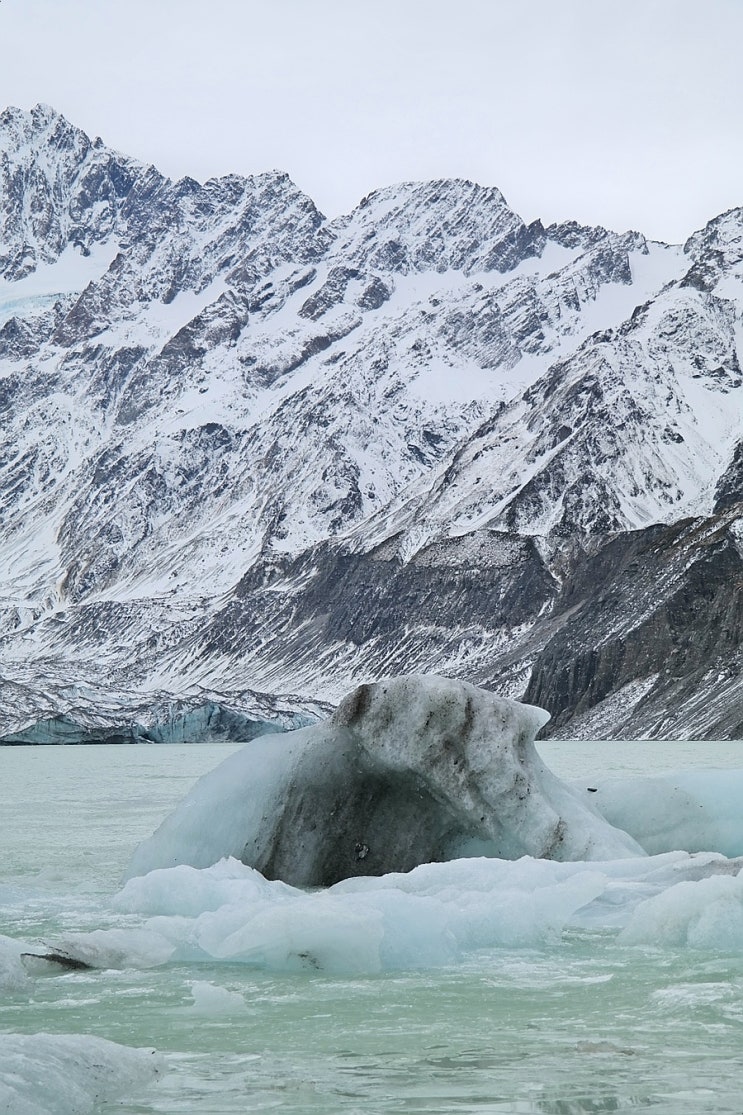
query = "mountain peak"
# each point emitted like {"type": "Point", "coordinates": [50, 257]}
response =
{"type": "Point", "coordinates": [43, 115]}
{"type": "Point", "coordinates": [56, 189]}
{"type": "Point", "coordinates": [37, 119]}
{"type": "Point", "coordinates": [439, 225]}
{"type": "Point", "coordinates": [433, 189]}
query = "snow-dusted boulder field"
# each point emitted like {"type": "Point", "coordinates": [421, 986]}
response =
{"type": "Point", "coordinates": [408, 771]}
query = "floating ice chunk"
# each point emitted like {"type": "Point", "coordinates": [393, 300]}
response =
{"type": "Point", "coordinates": [189, 892]}
{"type": "Point", "coordinates": [428, 917]}
{"type": "Point", "coordinates": [208, 998]}
{"type": "Point", "coordinates": [425, 918]}
{"type": "Point", "coordinates": [115, 948]}
{"type": "Point", "coordinates": [707, 914]}
{"type": "Point", "coordinates": [313, 932]}
{"type": "Point", "coordinates": [698, 810]}
{"type": "Point", "coordinates": [69, 1074]}
{"type": "Point", "coordinates": [436, 914]}
{"type": "Point", "coordinates": [407, 771]}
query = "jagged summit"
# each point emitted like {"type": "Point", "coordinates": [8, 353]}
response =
{"type": "Point", "coordinates": [20, 126]}
{"type": "Point", "coordinates": [225, 418]}
{"type": "Point", "coordinates": [449, 224]}
{"type": "Point", "coordinates": [57, 190]}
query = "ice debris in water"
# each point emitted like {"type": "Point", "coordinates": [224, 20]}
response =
{"type": "Point", "coordinates": [69, 1074]}
{"type": "Point", "coordinates": [706, 914]}
{"type": "Point", "coordinates": [425, 918]}
{"type": "Point", "coordinates": [435, 915]}
{"type": "Point", "coordinates": [407, 771]}
{"type": "Point", "coordinates": [208, 998]}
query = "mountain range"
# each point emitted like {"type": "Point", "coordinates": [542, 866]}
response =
{"type": "Point", "coordinates": [250, 456]}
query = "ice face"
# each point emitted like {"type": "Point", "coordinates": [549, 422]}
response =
{"type": "Point", "coordinates": [413, 770]}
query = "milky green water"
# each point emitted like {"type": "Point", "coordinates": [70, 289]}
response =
{"type": "Point", "coordinates": [583, 1025]}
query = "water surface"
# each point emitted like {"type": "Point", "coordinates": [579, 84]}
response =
{"type": "Point", "coordinates": [582, 1024]}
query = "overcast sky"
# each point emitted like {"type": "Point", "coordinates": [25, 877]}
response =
{"type": "Point", "coordinates": [627, 113]}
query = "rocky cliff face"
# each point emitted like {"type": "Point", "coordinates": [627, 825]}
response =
{"type": "Point", "coordinates": [249, 456]}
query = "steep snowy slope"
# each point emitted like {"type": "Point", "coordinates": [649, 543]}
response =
{"type": "Point", "coordinates": [211, 396]}
{"type": "Point", "coordinates": [636, 427]}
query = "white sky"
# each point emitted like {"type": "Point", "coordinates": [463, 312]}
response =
{"type": "Point", "coordinates": [627, 113]}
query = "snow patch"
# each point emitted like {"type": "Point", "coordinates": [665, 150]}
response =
{"type": "Point", "coordinates": [70, 274]}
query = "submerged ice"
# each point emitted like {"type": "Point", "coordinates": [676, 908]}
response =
{"type": "Point", "coordinates": [414, 770]}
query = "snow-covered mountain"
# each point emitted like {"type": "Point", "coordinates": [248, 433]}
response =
{"type": "Point", "coordinates": [250, 455]}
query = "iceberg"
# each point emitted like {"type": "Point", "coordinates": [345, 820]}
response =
{"type": "Point", "coordinates": [413, 770]}
{"type": "Point", "coordinates": [436, 915]}
{"type": "Point", "coordinates": [70, 1074]}
{"type": "Point", "coordinates": [426, 918]}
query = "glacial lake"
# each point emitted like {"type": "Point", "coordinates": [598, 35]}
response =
{"type": "Point", "coordinates": [579, 1023]}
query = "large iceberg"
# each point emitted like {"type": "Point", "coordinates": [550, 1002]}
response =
{"type": "Point", "coordinates": [413, 770]}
